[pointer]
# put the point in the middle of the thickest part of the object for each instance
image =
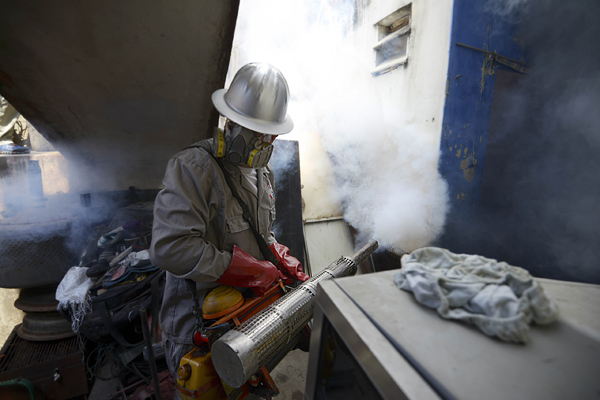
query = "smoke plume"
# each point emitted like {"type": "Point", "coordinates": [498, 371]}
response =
{"type": "Point", "coordinates": [541, 182]}
{"type": "Point", "coordinates": [383, 171]}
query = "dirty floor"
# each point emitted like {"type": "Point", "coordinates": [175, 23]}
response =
{"type": "Point", "coordinates": [289, 376]}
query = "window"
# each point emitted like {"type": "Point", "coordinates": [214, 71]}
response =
{"type": "Point", "coordinates": [391, 49]}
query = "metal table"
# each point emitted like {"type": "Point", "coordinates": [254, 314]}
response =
{"type": "Point", "coordinates": [561, 360]}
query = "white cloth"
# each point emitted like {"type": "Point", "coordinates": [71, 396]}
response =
{"type": "Point", "coordinates": [500, 299]}
{"type": "Point", "coordinates": [72, 292]}
{"type": "Point", "coordinates": [139, 258]}
{"type": "Point", "coordinates": [251, 175]}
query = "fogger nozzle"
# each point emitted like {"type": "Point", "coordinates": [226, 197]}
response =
{"type": "Point", "coordinates": [241, 352]}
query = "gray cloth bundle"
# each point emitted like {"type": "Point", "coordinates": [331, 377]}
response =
{"type": "Point", "coordinates": [501, 300]}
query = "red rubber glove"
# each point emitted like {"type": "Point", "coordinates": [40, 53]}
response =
{"type": "Point", "coordinates": [290, 266]}
{"type": "Point", "coordinates": [246, 271]}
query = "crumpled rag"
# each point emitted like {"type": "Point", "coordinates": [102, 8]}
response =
{"type": "Point", "coordinates": [72, 292]}
{"type": "Point", "coordinates": [498, 298]}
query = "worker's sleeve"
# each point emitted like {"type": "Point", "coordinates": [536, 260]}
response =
{"type": "Point", "coordinates": [271, 239]}
{"type": "Point", "coordinates": [182, 213]}
{"type": "Point", "coordinates": [271, 175]}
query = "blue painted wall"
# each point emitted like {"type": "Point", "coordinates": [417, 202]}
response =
{"type": "Point", "coordinates": [469, 95]}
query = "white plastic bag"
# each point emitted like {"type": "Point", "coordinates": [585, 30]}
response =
{"type": "Point", "coordinates": [72, 292]}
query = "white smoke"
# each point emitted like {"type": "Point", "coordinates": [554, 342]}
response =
{"type": "Point", "coordinates": [385, 170]}
{"type": "Point", "coordinates": [539, 200]}
{"type": "Point", "coordinates": [512, 10]}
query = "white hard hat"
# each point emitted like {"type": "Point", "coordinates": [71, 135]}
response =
{"type": "Point", "coordinates": [256, 99]}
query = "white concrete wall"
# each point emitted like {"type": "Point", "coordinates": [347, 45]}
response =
{"type": "Point", "coordinates": [417, 89]}
{"type": "Point", "coordinates": [327, 240]}
{"type": "Point", "coordinates": [412, 94]}
{"type": "Point", "coordinates": [325, 50]}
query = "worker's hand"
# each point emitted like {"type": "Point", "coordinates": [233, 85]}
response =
{"type": "Point", "coordinates": [246, 271]}
{"type": "Point", "coordinates": [288, 265]}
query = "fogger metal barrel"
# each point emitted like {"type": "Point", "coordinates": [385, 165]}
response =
{"type": "Point", "coordinates": [241, 352]}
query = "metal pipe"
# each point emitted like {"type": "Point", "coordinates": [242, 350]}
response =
{"type": "Point", "coordinates": [240, 353]}
{"type": "Point", "coordinates": [274, 362]}
{"type": "Point", "coordinates": [489, 52]}
{"type": "Point", "coordinates": [150, 349]}
{"type": "Point", "coordinates": [36, 186]}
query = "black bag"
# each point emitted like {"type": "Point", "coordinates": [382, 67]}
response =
{"type": "Point", "coordinates": [117, 298]}
{"type": "Point", "coordinates": [115, 312]}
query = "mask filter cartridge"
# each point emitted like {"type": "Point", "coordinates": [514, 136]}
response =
{"type": "Point", "coordinates": [245, 148]}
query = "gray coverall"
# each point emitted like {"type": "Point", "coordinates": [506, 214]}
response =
{"type": "Point", "coordinates": [196, 223]}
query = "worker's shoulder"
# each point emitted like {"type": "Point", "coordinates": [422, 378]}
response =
{"type": "Point", "coordinates": [198, 154]}
{"type": "Point", "coordinates": [269, 169]}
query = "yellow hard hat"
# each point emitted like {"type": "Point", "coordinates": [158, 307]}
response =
{"type": "Point", "coordinates": [221, 301]}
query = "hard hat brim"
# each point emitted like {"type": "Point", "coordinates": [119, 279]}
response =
{"type": "Point", "coordinates": [270, 128]}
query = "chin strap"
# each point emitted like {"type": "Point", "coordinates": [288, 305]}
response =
{"type": "Point", "coordinates": [219, 137]}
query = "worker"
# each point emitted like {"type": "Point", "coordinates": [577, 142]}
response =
{"type": "Point", "coordinates": [200, 232]}
{"type": "Point", "coordinates": [8, 119]}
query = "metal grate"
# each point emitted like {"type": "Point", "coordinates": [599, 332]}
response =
{"type": "Point", "coordinates": [34, 254]}
{"type": "Point", "coordinates": [25, 250]}
{"type": "Point", "coordinates": [272, 328]}
{"type": "Point", "coordinates": [240, 353]}
{"type": "Point", "coordinates": [18, 353]}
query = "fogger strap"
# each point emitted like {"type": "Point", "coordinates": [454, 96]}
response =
{"type": "Point", "coordinates": [262, 243]}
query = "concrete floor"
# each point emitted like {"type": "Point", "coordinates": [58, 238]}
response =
{"type": "Point", "coordinates": [289, 376]}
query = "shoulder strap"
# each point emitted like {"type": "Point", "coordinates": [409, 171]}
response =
{"type": "Point", "coordinates": [260, 239]}
{"type": "Point", "coordinates": [262, 243]}
{"type": "Point", "coordinates": [154, 303]}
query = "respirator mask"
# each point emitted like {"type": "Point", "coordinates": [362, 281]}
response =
{"type": "Point", "coordinates": [240, 145]}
